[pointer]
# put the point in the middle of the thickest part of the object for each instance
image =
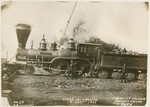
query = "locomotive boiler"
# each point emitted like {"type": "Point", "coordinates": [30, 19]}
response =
{"type": "Point", "coordinates": [79, 59]}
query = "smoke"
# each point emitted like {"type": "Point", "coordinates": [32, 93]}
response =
{"type": "Point", "coordinates": [63, 42]}
{"type": "Point", "coordinates": [79, 28]}
{"type": "Point", "coordinates": [79, 32]}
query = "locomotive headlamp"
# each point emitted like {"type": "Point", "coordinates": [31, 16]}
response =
{"type": "Point", "coordinates": [139, 71]}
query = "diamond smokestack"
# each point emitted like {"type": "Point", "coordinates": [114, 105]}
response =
{"type": "Point", "coordinates": [23, 31]}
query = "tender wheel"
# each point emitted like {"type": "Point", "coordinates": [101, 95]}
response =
{"type": "Point", "coordinates": [142, 76]}
{"type": "Point", "coordinates": [102, 74]}
{"type": "Point", "coordinates": [116, 75]}
{"type": "Point", "coordinates": [130, 76]}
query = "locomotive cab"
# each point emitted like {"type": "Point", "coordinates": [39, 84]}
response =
{"type": "Point", "coordinates": [86, 50]}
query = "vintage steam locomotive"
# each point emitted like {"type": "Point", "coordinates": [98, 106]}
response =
{"type": "Point", "coordinates": [78, 59]}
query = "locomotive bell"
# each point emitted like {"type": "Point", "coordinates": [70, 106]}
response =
{"type": "Point", "coordinates": [54, 46]}
{"type": "Point", "coordinates": [71, 44]}
{"type": "Point", "coordinates": [43, 44]}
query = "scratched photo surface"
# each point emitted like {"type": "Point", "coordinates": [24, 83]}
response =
{"type": "Point", "coordinates": [74, 53]}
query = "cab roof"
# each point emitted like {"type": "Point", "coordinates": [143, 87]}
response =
{"type": "Point", "coordinates": [92, 44]}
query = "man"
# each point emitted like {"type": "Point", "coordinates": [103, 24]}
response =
{"type": "Point", "coordinates": [124, 74]}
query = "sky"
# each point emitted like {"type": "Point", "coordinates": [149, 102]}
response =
{"type": "Point", "coordinates": [122, 23]}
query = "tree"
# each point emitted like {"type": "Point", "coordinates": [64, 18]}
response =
{"type": "Point", "coordinates": [107, 47]}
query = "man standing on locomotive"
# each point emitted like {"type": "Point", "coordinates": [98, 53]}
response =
{"type": "Point", "coordinates": [97, 54]}
{"type": "Point", "coordinates": [124, 74]}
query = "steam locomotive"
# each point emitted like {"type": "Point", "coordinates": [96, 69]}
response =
{"type": "Point", "coordinates": [79, 59]}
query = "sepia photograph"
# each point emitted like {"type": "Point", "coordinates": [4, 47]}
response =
{"type": "Point", "coordinates": [74, 53]}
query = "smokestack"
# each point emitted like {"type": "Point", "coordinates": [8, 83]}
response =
{"type": "Point", "coordinates": [23, 31]}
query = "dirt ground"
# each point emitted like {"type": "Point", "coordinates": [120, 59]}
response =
{"type": "Point", "coordinates": [58, 90]}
